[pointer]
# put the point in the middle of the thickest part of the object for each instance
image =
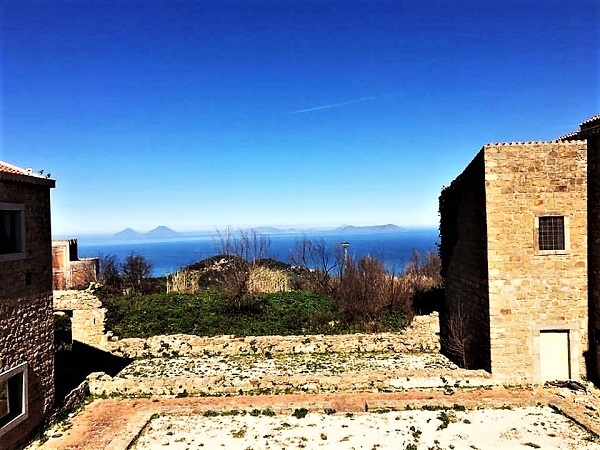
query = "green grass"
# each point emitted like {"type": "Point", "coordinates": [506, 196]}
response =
{"type": "Point", "coordinates": [285, 313]}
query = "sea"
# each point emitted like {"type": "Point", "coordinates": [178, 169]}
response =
{"type": "Point", "coordinates": [169, 255]}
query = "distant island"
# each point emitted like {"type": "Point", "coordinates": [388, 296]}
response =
{"type": "Point", "coordinates": [273, 230]}
{"type": "Point", "coordinates": [350, 229]}
{"type": "Point", "coordinates": [344, 229]}
{"type": "Point", "coordinates": [163, 232]}
{"type": "Point", "coordinates": [160, 232]}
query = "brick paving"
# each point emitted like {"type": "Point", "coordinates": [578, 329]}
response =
{"type": "Point", "coordinates": [112, 424]}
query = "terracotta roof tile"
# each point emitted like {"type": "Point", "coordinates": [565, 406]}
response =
{"type": "Point", "coordinates": [9, 168]}
{"type": "Point", "coordinates": [572, 136]}
{"type": "Point", "coordinates": [591, 119]}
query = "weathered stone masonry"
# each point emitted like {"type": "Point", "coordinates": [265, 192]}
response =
{"type": "Point", "coordinates": [464, 266]}
{"type": "Point", "coordinates": [26, 301]}
{"type": "Point", "coordinates": [68, 270]}
{"type": "Point", "coordinates": [495, 268]}
{"type": "Point", "coordinates": [87, 316]}
{"type": "Point", "coordinates": [590, 130]}
{"type": "Point", "coordinates": [420, 336]}
{"type": "Point", "coordinates": [531, 291]}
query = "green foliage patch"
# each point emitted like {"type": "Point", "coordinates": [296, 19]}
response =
{"type": "Point", "coordinates": [282, 313]}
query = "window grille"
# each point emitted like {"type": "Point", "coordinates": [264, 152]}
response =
{"type": "Point", "coordinates": [551, 233]}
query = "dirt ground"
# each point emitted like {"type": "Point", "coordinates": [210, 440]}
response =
{"type": "Point", "coordinates": [118, 424]}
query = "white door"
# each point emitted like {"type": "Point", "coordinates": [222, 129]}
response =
{"type": "Point", "coordinates": [554, 355]}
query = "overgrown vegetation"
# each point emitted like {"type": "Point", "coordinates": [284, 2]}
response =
{"type": "Point", "coordinates": [62, 332]}
{"type": "Point", "coordinates": [208, 314]}
{"type": "Point", "coordinates": [133, 276]}
{"type": "Point", "coordinates": [242, 292]}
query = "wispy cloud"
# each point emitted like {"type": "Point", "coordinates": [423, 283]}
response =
{"type": "Point", "coordinates": [333, 105]}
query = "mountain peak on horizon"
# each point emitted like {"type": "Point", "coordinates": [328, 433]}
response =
{"type": "Point", "coordinates": [127, 232]}
{"type": "Point", "coordinates": [162, 231]}
{"type": "Point", "coordinates": [388, 228]}
{"type": "Point", "coordinates": [159, 232]}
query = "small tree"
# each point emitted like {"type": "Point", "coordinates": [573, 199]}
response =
{"type": "Point", "coordinates": [136, 271]}
{"type": "Point", "coordinates": [110, 275]}
{"type": "Point", "coordinates": [455, 333]}
{"type": "Point", "coordinates": [320, 263]}
{"type": "Point", "coordinates": [243, 251]}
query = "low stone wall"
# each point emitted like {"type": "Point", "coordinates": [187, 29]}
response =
{"type": "Point", "coordinates": [421, 336]}
{"type": "Point", "coordinates": [102, 385]}
{"type": "Point", "coordinates": [71, 403]}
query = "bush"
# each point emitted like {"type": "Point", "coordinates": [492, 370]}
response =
{"type": "Point", "coordinates": [62, 332]}
{"type": "Point", "coordinates": [135, 272]}
{"type": "Point", "coordinates": [132, 276]}
{"type": "Point", "coordinates": [366, 292]}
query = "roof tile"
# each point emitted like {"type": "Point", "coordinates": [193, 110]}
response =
{"type": "Point", "coordinates": [9, 168]}
{"type": "Point", "coordinates": [591, 119]}
{"type": "Point", "coordinates": [9, 171]}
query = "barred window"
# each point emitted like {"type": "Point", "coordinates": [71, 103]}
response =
{"type": "Point", "coordinates": [551, 234]}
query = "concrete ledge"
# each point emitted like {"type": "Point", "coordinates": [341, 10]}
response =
{"type": "Point", "coordinates": [133, 429]}
{"type": "Point", "coordinates": [573, 414]}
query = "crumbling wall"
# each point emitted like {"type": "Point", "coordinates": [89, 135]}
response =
{"type": "Point", "coordinates": [421, 335]}
{"type": "Point", "coordinates": [68, 270]}
{"type": "Point", "coordinates": [87, 316]}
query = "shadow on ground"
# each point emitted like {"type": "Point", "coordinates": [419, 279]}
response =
{"type": "Point", "coordinates": [73, 366]}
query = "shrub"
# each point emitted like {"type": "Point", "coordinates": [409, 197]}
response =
{"type": "Point", "coordinates": [366, 291]}
{"type": "Point", "coordinates": [300, 413]}
{"type": "Point", "coordinates": [135, 272]}
{"type": "Point", "coordinates": [264, 279]}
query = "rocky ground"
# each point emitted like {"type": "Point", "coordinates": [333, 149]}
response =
{"type": "Point", "coordinates": [295, 373]}
{"type": "Point", "coordinates": [317, 364]}
{"type": "Point", "coordinates": [342, 400]}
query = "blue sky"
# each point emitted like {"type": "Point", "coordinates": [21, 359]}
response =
{"type": "Point", "coordinates": [203, 114]}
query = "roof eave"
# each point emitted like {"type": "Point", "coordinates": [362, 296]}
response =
{"type": "Point", "coordinates": [17, 178]}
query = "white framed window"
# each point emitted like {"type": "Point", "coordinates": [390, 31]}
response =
{"type": "Point", "coordinates": [13, 397]}
{"type": "Point", "coordinates": [552, 234]}
{"type": "Point", "coordinates": [12, 231]}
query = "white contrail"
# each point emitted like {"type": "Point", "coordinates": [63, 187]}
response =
{"type": "Point", "coordinates": [333, 105]}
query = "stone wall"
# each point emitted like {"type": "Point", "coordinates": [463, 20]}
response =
{"type": "Point", "coordinates": [465, 318]}
{"type": "Point", "coordinates": [87, 316]}
{"type": "Point", "coordinates": [493, 267]}
{"type": "Point", "coordinates": [531, 291]}
{"type": "Point", "coordinates": [590, 129]}
{"type": "Point", "coordinates": [422, 335]}
{"type": "Point", "coordinates": [26, 307]}
{"type": "Point", "coordinates": [288, 374]}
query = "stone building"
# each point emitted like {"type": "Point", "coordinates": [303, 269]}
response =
{"type": "Point", "coordinates": [590, 131]}
{"type": "Point", "coordinates": [516, 263]}
{"type": "Point", "coordinates": [68, 270]}
{"type": "Point", "coordinates": [26, 320]}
